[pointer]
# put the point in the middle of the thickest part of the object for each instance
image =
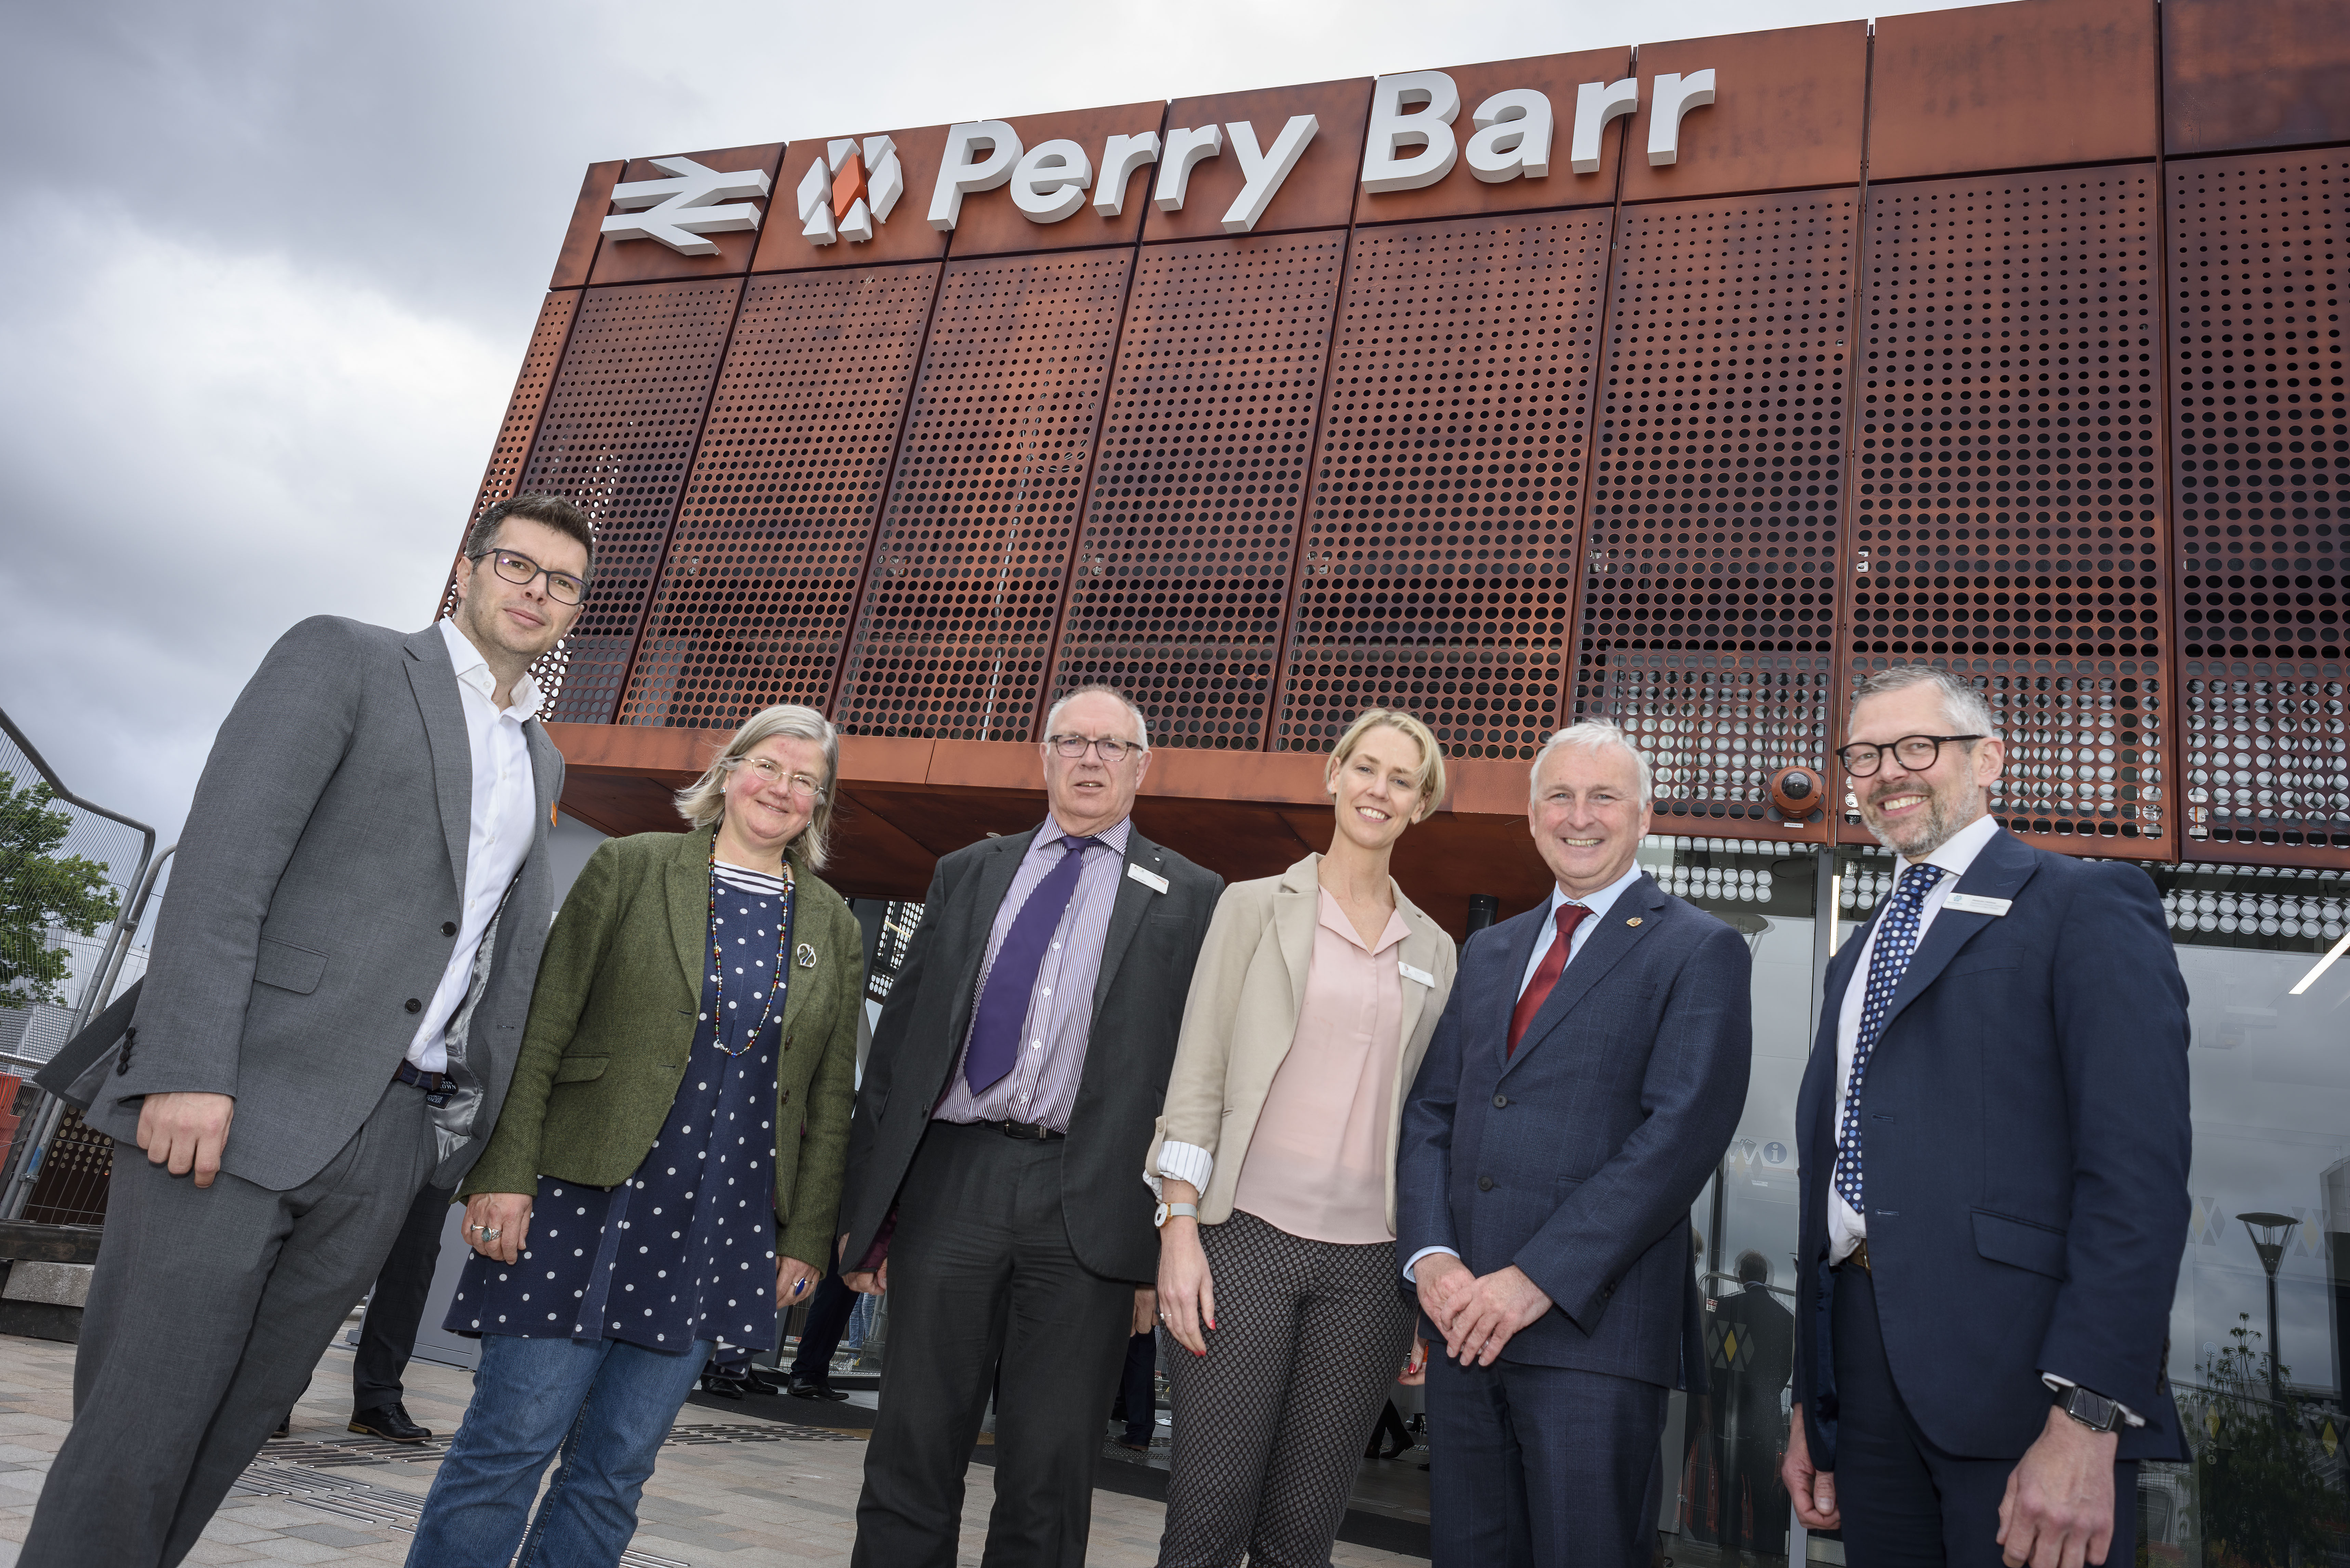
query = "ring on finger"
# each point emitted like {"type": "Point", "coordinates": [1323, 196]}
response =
{"type": "Point", "coordinates": [490, 1235]}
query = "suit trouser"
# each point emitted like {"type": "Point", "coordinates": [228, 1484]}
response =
{"type": "Point", "coordinates": [1907, 1503]}
{"type": "Point", "coordinates": [827, 1318]}
{"type": "Point", "coordinates": [985, 1289]}
{"type": "Point", "coordinates": [1542, 1465]}
{"type": "Point", "coordinates": [207, 1312]}
{"type": "Point", "coordinates": [396, 1306]}
{"type": "Point", "coordinates": [1268, 1424]}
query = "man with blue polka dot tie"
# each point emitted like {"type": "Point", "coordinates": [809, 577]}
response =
{"type": "Point", "coordinates": [1995, 1143]}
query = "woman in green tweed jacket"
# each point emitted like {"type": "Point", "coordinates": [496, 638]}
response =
{"type": "Point", "coordinates": [672, 1142]}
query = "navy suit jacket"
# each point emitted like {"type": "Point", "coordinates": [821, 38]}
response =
{"type": "Point", "coordinates": [2025, 1138]}
{"type": "Point", "coordinates": [1578, 1158]}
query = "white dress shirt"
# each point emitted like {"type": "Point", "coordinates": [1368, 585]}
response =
{"type": "Point", "coordinates": [1598, 903]}
{"type": "Point", "coordinates": [1847, 1229]}
{"type": "Point", "coordinates": [505, 796]}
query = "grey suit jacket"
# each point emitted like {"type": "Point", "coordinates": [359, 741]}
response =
{"type": "Point", "coordinates": [312, 909]}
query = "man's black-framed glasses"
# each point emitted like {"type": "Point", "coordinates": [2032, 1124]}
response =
{"type": "Point", "coordinates": [1109, 748]}
{"type": "Point", "coordinates": [1913, 753]}
{"type": "Point", "coordinates": [520, 570]}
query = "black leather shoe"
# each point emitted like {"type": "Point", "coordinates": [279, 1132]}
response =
{"type": "Point", "coordinates": [762, 1381]}
{"type": "Point", "coordinates": [390, 1423]}
{"type": "Point", "coordinates": [803, 1388]}
{"type": "Point", "coordinates": [723, 1387]}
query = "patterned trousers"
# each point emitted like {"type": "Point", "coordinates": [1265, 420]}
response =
{"type": "Point", "coordinates": [1269, 1426]}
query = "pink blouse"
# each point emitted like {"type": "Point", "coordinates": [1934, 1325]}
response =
{"type": "Point", "coordinates": [1315, 1164]}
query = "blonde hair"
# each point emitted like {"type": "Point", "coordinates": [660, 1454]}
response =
{"type": "Point", "coordinates": [1429, 779]}
{"type": "Point", "coordinates": [703, 802]}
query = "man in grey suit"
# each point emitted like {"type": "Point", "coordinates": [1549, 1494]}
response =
{"type": "Point", "coordinates": [1014, 1077]}
{"type": "Point", "coordinates": [330, 1014]}
{"type": "Point", "coordinates": [1585, 1077]}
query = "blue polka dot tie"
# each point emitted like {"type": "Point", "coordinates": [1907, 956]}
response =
{"type": "Point", "coordinates": [1896, 939]}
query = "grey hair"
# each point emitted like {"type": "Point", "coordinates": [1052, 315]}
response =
{"type": "Point", "coordinates": [1964, 707]}
{"type": "Point", "coordinates": [1590, 734]}
{"type": "Point", "coordinates": [1141, 730]}
{"type": "Point", "coordinates": [703, 802]}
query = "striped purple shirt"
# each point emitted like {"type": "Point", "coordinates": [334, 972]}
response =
{"type": "Point", "coordinates": [1042, 1086]}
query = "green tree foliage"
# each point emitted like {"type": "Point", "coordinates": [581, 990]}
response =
{"type": "Point", "coordinates": [2265, 1503]}
{"type": "Point", "coordinates": [41, 891]}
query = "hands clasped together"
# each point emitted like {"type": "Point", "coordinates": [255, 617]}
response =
{"type": "Point", "coordinates": [1477, 1314]}
{"type": "Point", "coordinates": [497, 1226]}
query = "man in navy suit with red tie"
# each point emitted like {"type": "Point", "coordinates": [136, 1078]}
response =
{"type": "Point", "coordinates": [1588, 1071]}
{"type": "Point", "coordinates": [1994, 1139]}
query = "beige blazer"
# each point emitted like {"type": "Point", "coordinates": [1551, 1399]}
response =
{"type": "Point", "coordinates": [1241, 1016]}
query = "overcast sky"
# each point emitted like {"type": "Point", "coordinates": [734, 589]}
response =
{"type": "Point", "coordinates": [267, 272]}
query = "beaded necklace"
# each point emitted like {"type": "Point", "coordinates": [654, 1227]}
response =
{"type": "Point", "coordinates": [718, 960]}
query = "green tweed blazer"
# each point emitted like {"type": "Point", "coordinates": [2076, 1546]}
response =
{"type": "Point", "coordinates": [612, 1023]}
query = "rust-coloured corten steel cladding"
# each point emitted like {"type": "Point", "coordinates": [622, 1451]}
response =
{"type": "Point", "coordinates": [1932, 416]}
{"type": "Point", "coordinates": [2027, 84]}
{"type": "Point", "coordinates": [992, 226]}
{"type": "Point", "coordinates": [643, 261]}
{"type": "Point", "coordinates": [904, 236]}
{"type": "Point", "coordinates": [2244, 74]}
{"type": "Point", "coordinates": [578, 252]}
{"type": "Point", "coordinates": [1319, 191]}
{"type": "Point", "coordinates": [1461, 194]}
{"type": "Point", "coordinates": [1791, 119]}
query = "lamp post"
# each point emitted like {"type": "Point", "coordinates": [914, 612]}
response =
{"type": "Point", "coordinates": [2268, 1233]}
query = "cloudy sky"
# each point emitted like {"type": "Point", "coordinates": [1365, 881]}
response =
{"type": "Point", "coordinates": [268, 270]}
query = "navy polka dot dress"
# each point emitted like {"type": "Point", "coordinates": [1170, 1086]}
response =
{"type": "Point", "coordinates": [684, 1249]}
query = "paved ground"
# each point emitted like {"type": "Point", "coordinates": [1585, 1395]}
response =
{"type": "Point", "coordinates": [730, 1489]}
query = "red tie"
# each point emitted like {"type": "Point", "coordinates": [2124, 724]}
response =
{"type": "Point", "coordinates": [1547, 973]}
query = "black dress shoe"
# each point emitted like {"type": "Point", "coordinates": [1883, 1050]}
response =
{"type": "Point", "coordinates": [762, 1381]}
{"type": "Point", "coordinates": [805, 1388]}
{"type": "Point", "coordinates": [723, 1387]}
{"type": "Point", "coordinates": [390, 1423]}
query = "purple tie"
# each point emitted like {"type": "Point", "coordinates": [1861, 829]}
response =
{"type": "Point", "coordinates": [995, 1025]}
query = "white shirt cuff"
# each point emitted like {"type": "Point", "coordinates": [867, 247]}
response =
{"type": "Point", "coordinates": [2129, 1417]}
{"type": "Point", "coordinates": [1184, 1162]}
{"type": "Point", "coordinates": [1413, 1264]}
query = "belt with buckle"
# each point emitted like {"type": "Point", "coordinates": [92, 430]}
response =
{"type": "Point", "coordinates": [1857, 1258]}
{"type": "Point", "coordinates": [1033, 1132]}
{"type": "Point", "coordinates": [430, 1082]}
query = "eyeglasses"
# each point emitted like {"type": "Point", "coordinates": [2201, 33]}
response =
{"type": "Point", "coordinates": [1109, 749]}
{"type": "Point", "coordinates": [770, 772]}
{"type": "Point", "coordinates": [1913, 753]}
{"type": "Point", "coordinates": [518, 568]}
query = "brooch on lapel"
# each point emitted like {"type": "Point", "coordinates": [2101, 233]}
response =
{"type": "Point", "coordinates": [806, 956]}
{"type": "Point", "coordinates": [1633, 921]}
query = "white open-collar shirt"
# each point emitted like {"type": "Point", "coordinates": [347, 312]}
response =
{"type": "Point", "coordinates": [504, 796]}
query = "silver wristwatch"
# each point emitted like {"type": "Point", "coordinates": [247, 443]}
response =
{"type": "Point", "coordinates": [2093, 1411]}
{"type": "Point", "coordinates": [1169, 1210]}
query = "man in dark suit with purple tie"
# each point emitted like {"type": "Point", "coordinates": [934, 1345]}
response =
{"type": "Point", "coordinates": [1585, 1077]}
{"type": "Point", "coordinates": [1014, 1079]}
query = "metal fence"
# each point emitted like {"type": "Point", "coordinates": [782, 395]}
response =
{"type": "Point", "coordinates": [70, 871]}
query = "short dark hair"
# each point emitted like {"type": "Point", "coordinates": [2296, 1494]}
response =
{"type": "Point", "coordinates": [1753, 1267]}
{"type": "Point", "coordinates": [552, 511]}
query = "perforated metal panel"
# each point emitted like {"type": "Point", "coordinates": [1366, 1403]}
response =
{"type": "Point", "coordinates": [2008, 519]}
{"type": "Point", "coordinates": [968, 568]}
{"type": "Point", "coordinates": [1191, 519]}
{"type": "Point", "coordinates": [1440, 539]}
{"type": "Point", "coordinates": [2263, 495]}
{"type": "Point", "coordinates": [754, 596]}
{"type": "Point", "coordinates": [617, 439]}
{"type": "Point", "coordinates": [512, 448]}
{"type": "Point", "coordinates": [1708, 598]}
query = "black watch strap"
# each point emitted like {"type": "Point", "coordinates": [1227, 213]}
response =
{"type": "Point", "coordinates": [2093, 1411]}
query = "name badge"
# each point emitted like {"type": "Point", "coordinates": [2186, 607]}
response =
{"type": "Point", "coordinates": [1150, 880]}
{"type": "Point", "coordinates": [1972, 904]}
{"type": "Point", "coordinates": [1421, 975]}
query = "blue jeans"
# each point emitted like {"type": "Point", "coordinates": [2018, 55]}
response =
{"type": "Point", "coordinates": [605, 1404]}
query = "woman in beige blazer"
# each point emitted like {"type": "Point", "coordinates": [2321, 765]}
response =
{"type": "Point", "coordinates": [1312, 1002]}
